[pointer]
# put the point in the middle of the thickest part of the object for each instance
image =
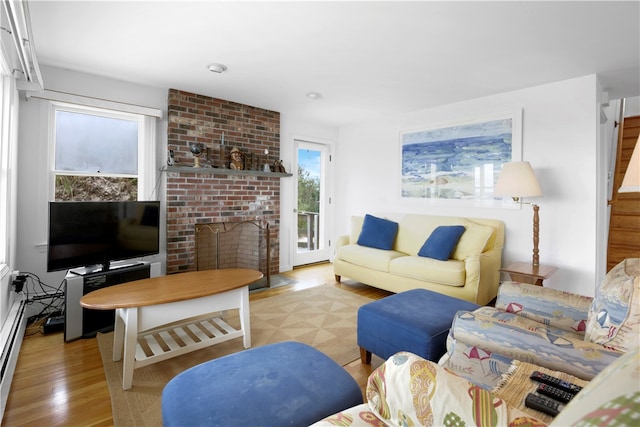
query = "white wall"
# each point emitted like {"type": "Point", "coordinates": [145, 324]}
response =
{"type": "Point", "coordinates": [560, 133]}
{"type": "Point", "coordinates": [632, 106]}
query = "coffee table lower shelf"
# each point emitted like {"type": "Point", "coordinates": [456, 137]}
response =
{"type": "Point", "coordinates": [161, 344]}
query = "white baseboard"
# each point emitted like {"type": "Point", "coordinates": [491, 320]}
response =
{"type": "Point", "coordinates": [11, 335]}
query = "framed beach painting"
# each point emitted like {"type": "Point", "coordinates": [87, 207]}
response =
{"type": "Point", "coordinates": [459, 163]}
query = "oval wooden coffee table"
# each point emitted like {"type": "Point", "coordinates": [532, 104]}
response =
{"type": "Point", "coordinates": [152, 315]}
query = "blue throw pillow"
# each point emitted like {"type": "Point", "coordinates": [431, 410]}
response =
{"type": "Point", "coordinates": [442, 241]}
{"type": "Point", "coordinates": [377, 232]}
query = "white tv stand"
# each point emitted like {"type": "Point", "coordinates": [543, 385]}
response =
{"type": "Point", "coordinates": [80, 322]}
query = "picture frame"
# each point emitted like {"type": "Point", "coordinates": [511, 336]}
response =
{"type": "Point", "coordinates": [458, 163]}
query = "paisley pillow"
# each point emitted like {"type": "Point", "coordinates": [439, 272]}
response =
{"type": "Point", "coordinates": [409, 390]}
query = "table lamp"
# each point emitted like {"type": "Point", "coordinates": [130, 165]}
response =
{"type": "Point", "coordinates": [518, 180]}
{"type": "Point", "coordinates": [631, 180]}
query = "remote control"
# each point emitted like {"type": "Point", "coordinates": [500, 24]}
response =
{"type": "Point", "coordinates": [556, 382]}
{"type": "Point", "coordinates": [555, 393]}
{"type": "Point", "coordinates": [542, 404]}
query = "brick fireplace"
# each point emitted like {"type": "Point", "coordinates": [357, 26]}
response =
{"type": "Point", "coordinates": [211, 194]}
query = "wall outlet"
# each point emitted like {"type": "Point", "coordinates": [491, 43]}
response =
{"type": "Point", "coordinates": [14, 275]}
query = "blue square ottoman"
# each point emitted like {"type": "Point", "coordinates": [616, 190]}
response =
{"type": "Point", "coordinates": [417, 321]}
{"type": "Point", "coordinates": [283, 384]}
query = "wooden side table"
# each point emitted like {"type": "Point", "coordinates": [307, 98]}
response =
{"type": "Point", "coordinates": [526, 272]}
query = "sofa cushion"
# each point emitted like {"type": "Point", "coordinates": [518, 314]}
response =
{"type": "Point", "coordinates": [485, 368]}
{"type": "Point", "coordinates": [356, 228]}
{"type": "Point", "coordinates": [474, 240]}
{"type": "Point", "coordinates": [614, 316]}
{"type": "Point", "coordinates": [374, 259]}
{"type": "Point", "coordinates": [413, 229]}
{"type": "Point", "coordinates": [450, 272]}
{"type": "Point", "coordinates": [546, 306]}
{"type": "Point", "coordinates": [440, 244]}
{"type": "Point", "coordinates": [526, 340]}
{"type": "Point", "coordinates": [350, 417]}
{"type": "Point", "coordinates": [378, 233]}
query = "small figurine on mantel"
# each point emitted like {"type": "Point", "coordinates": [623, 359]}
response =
{"type": "Point", "coordinates": [279, 167]}
{"type": "Point", "coordinates": [237, 159]}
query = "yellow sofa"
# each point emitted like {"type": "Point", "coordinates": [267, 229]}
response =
{"type": "Point", "coordinates": [472, 273]}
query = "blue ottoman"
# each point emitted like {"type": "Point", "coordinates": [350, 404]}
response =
{"type": "Point", "coordinates": [417, 321]}
{"type": "Point", "coordinates": [284, 384]}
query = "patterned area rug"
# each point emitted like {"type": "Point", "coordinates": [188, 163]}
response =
{"type": "Point", "coordinates": [324, 317]}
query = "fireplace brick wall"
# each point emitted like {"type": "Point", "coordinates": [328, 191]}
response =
{"type": "Point", "coordinates": [201, 197]}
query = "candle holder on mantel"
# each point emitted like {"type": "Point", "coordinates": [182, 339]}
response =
{"type": "Point", "coordinates": [223, 154]}
{"type": "Point", "coordinates": [266, 166]}
{"type": "Point", "coordinates": [250, 162]}
{"type": "Point", "coordinates": [223, 157]}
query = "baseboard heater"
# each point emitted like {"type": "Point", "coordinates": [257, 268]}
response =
{"type": "Point", "coordinates": [11, 339]}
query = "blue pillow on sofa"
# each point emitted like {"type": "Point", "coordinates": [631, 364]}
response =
{"type": "Point", "coordinates": [442, 241]}
{"type": "Point", "coordinates": [377, 233]}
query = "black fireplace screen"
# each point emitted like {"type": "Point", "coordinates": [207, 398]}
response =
{"type": "Point", "coordinates": [242, 244]}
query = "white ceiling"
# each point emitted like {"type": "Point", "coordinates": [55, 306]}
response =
{"type": "Point", "coordinates": [366, 59]}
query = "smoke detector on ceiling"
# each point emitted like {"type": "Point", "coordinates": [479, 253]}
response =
{"type": "Point", "coordinates": [217, 68]}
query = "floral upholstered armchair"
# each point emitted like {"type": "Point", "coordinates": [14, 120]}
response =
{"type": "Point", "coordinates": [570, 333]}
{"type": "Point", "coordinates": [408, 390]}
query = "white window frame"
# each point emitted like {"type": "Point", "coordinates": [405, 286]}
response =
{"type": "Point", "coordinates": [146, 147]}
{"type": "Point", "coordinates": [8, 184]}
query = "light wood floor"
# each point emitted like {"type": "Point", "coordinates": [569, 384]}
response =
{"type": "Point", "coordinates": [58, 383]}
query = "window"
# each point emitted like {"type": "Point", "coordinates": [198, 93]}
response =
{"type": "Point", "coordinates": [100, 154]}
{"type": "Point", "coordinates": [8, 159]}
{"type": "Point", "coordinates": [5, 177]}
{"type": "Point", "coordinates": [96, 154]}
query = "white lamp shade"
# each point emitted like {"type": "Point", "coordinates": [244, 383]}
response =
{"type": "Point", "coordinates": [517, 180]}
{"type": "Point", "coordinates": [631, 180]}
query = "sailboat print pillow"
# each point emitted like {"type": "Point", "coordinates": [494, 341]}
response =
{"type": "Point", "coordinates": [614, 317]}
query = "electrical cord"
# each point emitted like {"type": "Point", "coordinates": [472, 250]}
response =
{"type": "Point", "coordinates": [157, 186]}
{"type": "Point", "coordinates": [36, 292]}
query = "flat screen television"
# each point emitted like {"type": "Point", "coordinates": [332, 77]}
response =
{"type": "Point", "coordinates": [94, 234]}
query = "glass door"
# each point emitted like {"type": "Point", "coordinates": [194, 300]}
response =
{"type": "Point", "coordinates": [311, 243]}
